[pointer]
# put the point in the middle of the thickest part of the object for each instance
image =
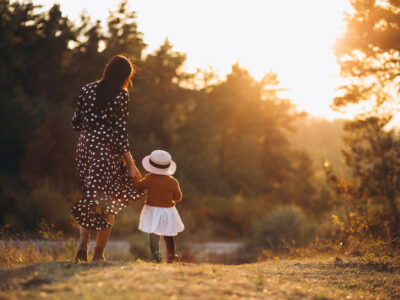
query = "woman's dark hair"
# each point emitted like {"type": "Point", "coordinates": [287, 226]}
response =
{"type": "Point", "coordinates": [116, 76]}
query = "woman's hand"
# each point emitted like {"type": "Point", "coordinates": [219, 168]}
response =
{"type": "Point", "coordinates": [134, 172]}
{"type": "Point", "coordinates": [130, 164]}
{"type": "Point", "coordinates": [137, 173]}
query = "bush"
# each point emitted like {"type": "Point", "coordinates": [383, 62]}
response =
{"type": "Point", "coordinates": [139, 247]}
{"type": "Point", "coordinates": [125, 223]}
{"type": "Point", "coordinates": [52, 206]}
{"type": "Point", "coordinates": [284, 226]}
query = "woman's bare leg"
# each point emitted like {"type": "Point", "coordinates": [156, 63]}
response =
{"type": "Point", "coordinates": [101, 240]}
{"type": "Point", "coordinates": [84, 237]}
{"type": "Point", "coordinates": [103, 235]}
{"type": "Point", "coordinates": [83, 244]}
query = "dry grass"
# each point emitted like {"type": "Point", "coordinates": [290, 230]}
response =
{"type": "Point", "coordinates": [22, 252]}
{"type": "Point", "coordinates": [322, 278]}
{"type": "Point", "coordinates": [49, 245]}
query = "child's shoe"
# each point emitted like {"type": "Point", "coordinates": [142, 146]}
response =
{"type": "Point", "coordinates": [157, 257]}
{"type": "Point", "coordinates": [172, 257]}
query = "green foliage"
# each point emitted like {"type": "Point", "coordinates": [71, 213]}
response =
{"type": "Point", "coordinates": [231, 140]}
{"type": "Point", "coordinates": [15, 203]}
{"type": "Point", "coordinates": [368, 53]}
{"type": "Point", "coordinates": [50, 154]}
{"type": "Point", "coordinates": [370, 195]}
{"type": "Point", "coordinates": [285, 226]}
{"type": "Point", "coordinates": [52, 206]}
{"type": "Point", "coordinates": [139, 247]}
{"type": "Point", "coordinates": [125, 223]}
{"type": "Point", "coordinates": [322, 140]}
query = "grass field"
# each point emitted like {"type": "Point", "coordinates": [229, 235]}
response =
{"type": "Point", "coordinates": [319, 278]}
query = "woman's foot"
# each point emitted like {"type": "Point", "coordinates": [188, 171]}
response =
{"type": "Point", "coordinates": [81, 255]}
{"type": "Point", "coordinates": [98, 254]}
{"type": "Point", "coordinates": [157, 257]}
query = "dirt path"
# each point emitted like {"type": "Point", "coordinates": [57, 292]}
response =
{"type": "Point", "coordinates": [287, 279]}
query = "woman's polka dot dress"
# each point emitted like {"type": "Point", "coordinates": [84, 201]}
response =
{"type": "Point", "coordinates": [103, 139]}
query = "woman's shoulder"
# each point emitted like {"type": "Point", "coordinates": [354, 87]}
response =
{"type": "Point", "coordinates": [89, 86]}
{"type": "Point", "coordinates": [121, 99]}
{"type": "Point", "coordinates": [123, 94]}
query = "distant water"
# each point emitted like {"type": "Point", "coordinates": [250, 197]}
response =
{"type": "Point", "coordinates": [122, 246]}
{"type": "Point", "coordinates": [216, 247]}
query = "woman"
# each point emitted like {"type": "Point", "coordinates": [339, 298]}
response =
{"type": "Point", "coordinates": [105, 164]}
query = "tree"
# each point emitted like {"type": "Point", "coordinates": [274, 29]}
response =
{"type": "Point", "coordinates": [369, 56]}
{"type": "Point", "coordinates": [159, 99]}
{"type": "Point", "coordinates": [122, 33]}
{"type": "Point", "coordinates": [373, 155]}
{"type": "Point", "coordinates": [33, 49]}
{"type": "Point", "coordinates": [238, 131]}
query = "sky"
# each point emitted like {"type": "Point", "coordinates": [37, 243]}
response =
{"type": "Point", "coordinates": [289, 37]}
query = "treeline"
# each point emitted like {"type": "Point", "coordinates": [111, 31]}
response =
{"type": "Point", "coordinates": [230, 139]}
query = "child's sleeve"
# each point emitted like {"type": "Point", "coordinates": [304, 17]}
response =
{"type": "Point", "coordinates": [140, 184]}
{"type": "Point", "coordinates": [177, 191]}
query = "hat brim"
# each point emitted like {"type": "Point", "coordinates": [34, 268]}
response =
{"type": "Point", "coordinates": [150, 168]}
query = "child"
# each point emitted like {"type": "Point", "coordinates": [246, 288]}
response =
{"type": "Point", "coordinates": [159, 216]}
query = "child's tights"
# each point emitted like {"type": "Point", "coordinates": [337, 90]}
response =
{"type": "Point", "coordinates": [155, 243]}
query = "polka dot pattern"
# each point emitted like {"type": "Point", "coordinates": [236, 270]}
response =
{"type": "Point", "coordinates": [103, 176]}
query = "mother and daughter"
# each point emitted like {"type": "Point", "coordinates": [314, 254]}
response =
{"type": "Point", "coordinates": [107, 171]}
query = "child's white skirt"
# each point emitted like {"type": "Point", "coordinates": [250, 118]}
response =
{"type": "Point", "coordinates": [160, 220]}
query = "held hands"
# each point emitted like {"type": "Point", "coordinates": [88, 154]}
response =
{"type": "Point", "coordinates": [137, 173]}
{"type": "Point", "coordinates": [134, 172]}
{"type": "Point", "coordinates": [129, 163]}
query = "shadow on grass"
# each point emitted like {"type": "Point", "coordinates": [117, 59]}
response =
{"type": "Point", "coordinates": [351, 263]}
{"type": "Point", "coordinates": [35, 275]}
{"type": "Point", "coordinates": [378, 266]}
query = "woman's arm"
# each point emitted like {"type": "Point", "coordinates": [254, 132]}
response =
{"type": "Point", "coordinates": [77, 118]}
{"type": "Point", "coordinates": [121, 124]}
{"type": "Point", "coordinates": [132, 169]}
{"type": "Point", "coordinates": [121, 132]}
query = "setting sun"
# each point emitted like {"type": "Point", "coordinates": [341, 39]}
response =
{"type": "Point", "coordinates": [291, 38]}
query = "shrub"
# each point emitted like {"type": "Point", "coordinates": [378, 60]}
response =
{"type": "Point", "coordinates": [284, 226]}
{"type": "Point", "coordinates": [125, 223]}
{"type": "Point", "coordinates": [139, 247]}
{"type": "Point", "coordinates": [52, 206]}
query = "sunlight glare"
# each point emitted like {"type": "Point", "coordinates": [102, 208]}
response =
{"type": "Point", "coordinates": [291, 38]}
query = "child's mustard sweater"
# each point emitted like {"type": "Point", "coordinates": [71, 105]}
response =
{"type": "Point", "coordinates": [162, 190]}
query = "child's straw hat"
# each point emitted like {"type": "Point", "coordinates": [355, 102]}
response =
{"type": "Point", "coordinates": [159, 162]}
